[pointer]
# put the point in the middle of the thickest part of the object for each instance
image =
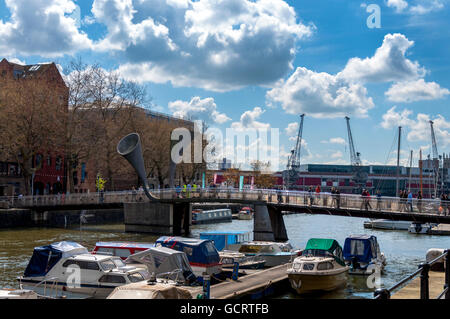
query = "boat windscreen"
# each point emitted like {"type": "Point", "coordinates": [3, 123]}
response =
{"type": "Point", "coordinates": [108, 265]}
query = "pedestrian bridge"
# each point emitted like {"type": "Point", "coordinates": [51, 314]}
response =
{"type": "Point", "coordinates": [269, 205]}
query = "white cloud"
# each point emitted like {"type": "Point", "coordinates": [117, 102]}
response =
{"type": "Point", "coordinates": [418, 90]}
{"type": "Point", "coordinates": [418, 7]}
{"type": "Point", "coordinates": [320, 95]}
{"type": "Point", "coordinates": [41, 27]}
{"type": "Point", "coordinates": [248, 120]}
{"type": "Point", "coordinates": [198, 109]}
{"type": "Point", "coordinates": [216, 45]}
{"type": "Point", "coordinates": [337, 154]}
{"type": "Point", "coordinates": [426, 6]}
{"type": "Point", "coordinates": [419, 129]}
{"type": "Point", "coordinates": [292, 129]}
{"type": "Point", "coordinates": [399, 5]}
{"type": "Point", "coordinates": [388, 64]}
{"type": "Point", "coordinates": [335, 140]}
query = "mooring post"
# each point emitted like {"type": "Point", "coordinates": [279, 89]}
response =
{"type": "Point", "coordinates": [206, 286]}
{"type": "Point", "coordinates": [447, 274]}
{"type": "Point", "coordinates": [424, 281]}
{"type": "Point", "coordinates": [235, 275]}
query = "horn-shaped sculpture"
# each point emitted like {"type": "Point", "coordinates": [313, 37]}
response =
{"type": "Point", "coordinates": [130, 148]}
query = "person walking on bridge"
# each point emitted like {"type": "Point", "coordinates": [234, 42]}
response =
{"type": "Point", "coordinates": [333, 197]}
{"type": "Point", "coordinates": [378, 201]}
{"type": "Point", "coordinates": [311, 197]}
{"type": "Point", "coordinates": [338, 198]}
{"type": "Point", "coordinates": [410, 204]}
{"type": "Point", "coordinates": [318, 194]}
{"type": "Point", "coordinates": [419, 202]}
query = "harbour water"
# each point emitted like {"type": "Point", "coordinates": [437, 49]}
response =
{"type": "Point", "coordinates": [404, 251]}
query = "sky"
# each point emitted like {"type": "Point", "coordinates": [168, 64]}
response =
{"type": "Point", "coordinates": [261, 64]}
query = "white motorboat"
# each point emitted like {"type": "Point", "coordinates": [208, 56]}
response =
{"type": "Point", "coordinates": [421, 228]}
{"type": "Point", "coordinates": [362, 254]}
{"type": "Point", "coordinates": [319, 268]}
{"type": "Point", "coordinates": [387, 224]}
{"type": "Point", "coordinates": [273, 253]}
{"type": "Point", "coordinates": [245, 214]}
{"type": "Point", "coordinates": [69, 267]}
{"type": "Point", "coordinates": [228, 258]}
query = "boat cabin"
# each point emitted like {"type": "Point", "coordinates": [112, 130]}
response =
{"type": "Point", "coordinates": [227, 240]}
{"type": "Point", "coordinates": [168, 263]}
{"type": "Point", "coordinates": [319, 247]}
{"type": "Point", "coordinates": [361, 248]}
{"type": "Point", "coordinates": [120, 249]}
{"type": "Point", "coordinates": [202, 254]}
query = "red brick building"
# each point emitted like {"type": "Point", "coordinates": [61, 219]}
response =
{"type": "Point", "coordinates": [50, 178]}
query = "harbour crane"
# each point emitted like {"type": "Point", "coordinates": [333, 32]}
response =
{"type": "Point", "coordinates": [291, 174]}
{"type": "Point", "coordinates": [359, 176]}
{"type": "Point", "coordinates": [435, 160]}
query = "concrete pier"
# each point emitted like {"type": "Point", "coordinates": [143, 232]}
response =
{"type": "Point", "coordinates": [158, 218]}
{"type": "Point", "coordinates": [412, 290]}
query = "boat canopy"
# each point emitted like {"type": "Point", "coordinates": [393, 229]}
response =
{"type": "Point", "coordinates": [363, 247]}
{"type": "Point", "coordinates": [45, 257]}
{"type": "Point", "coordinates": [163, 260]}
{"type": "Point", "coordinates": [223, 239]}
{"type": "Point", "coordinates": [198, 251]}
{"type": "Point", "coordinates": [124, 245]}
{"type": "Point", "coordinates": [324, 247]}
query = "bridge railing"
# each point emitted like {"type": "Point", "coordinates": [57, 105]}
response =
{"type": "Point", "coordinates": [423, 271]}
{"type": "Point", "coordinates": [300, 198]}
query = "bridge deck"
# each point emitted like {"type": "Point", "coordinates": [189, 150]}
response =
{"type": "Point", "coordinates": [299, 202]}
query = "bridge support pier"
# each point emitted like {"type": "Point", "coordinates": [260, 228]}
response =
{"type": "Point", "coordinates": [268, 224]}
{"type": "Point", "coordinates": [158, 218]}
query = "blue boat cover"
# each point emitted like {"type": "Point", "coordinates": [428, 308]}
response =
{"type": "Point", "coordinates": [198, 251]}
{"type": "Point", "coordinates": [223, 239]}
{"type": "Point", "coordinates": [363, 247]}
{"type": "Point", "coordinates": [45, 257]}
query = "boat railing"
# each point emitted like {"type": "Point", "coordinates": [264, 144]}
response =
{"type": "Point", "coordinates": [168, 275]}
{"type": "Point", "coordinates": [44, 282]}
{"type": "Point", "coordinates": [423, 271]}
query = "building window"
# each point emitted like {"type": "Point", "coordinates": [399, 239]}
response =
{"type": "Point", "coordinates": [49, 161]}
{"type": "Point", "coordinates": [38, 160]}
{"type": "Point", "coordinates": [58, 163]}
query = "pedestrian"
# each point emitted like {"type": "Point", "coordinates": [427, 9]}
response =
{"type": "Point", "coordinates": [368, 200]}
{"type": "Point", "coordinates": [419, 201]}
{"type": "Point", "coordinates": [410, 199]}
{"type": "Point", "coordinates": [442, 204]}
{"type": "Point", "coordinates": [318, 194]}
{"type": "Point", "coordinates": [378, 201]}
{"type": "Point", "coordinates": [133, 194]}
{"type": "Point", "coordinates": [311, 197]}
{"type": "Point", "coordinates": [401, 201]}
{"type": "Point", "coordinates": [338, 198]}
{"type": "Point", "coordinates": [279, 197]}
{"type": "Point", "coordinates": [178, 190]}
{"type": "Point", "coordinates": [333, 197]}
{"type": "Point", "coordinates": [446, 205]}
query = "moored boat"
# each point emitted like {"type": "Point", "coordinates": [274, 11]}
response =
{"type": "Point", "coordinates": [120, 249]}
{"type": "Point", "coordinates": [387, 224]}
{"type": "Point", "coordinates": [228, 258]}
{"type": "Point", "coordinates": [362, 254]}
{"type": "Point", "coordinates": [69, 267]}
{"type": "Point", "coordinates": [202, 254]}
{"type": "Point", "coordinates": [273, 253]}
{"type": "Point", "coordinates": [319, 268]}
{"type": "Point", "coordinates": [211, 216]}
{"type": "Point", "coordinates": [245, 213]}
{"type": "Point", "coordinates": [421, 228]}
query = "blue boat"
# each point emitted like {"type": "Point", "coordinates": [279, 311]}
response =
{"type": "Point", "coordinates": [202, 254]}
{"type": "Point", "coordinates": [362, 253]}
{"type": "Point", "coordinates": [227, 240]}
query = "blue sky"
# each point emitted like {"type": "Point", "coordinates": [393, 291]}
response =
{"type": "Point", "coordinates": [244, 64]}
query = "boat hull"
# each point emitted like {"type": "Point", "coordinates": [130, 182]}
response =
{"type": "Point", "coordinates": [309, 283]}
{"type": "Point", "coordinates": [244, 216]}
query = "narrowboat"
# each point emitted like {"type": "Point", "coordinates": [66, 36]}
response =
{"type": "Point", "coordinates": [320, 268]}
{"type": "Point", "coordinates": [202, 254]}
{"type": "Point", "coordinates": [362, 254]}
{"type": "Point", "coordinates": [211, 216]}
